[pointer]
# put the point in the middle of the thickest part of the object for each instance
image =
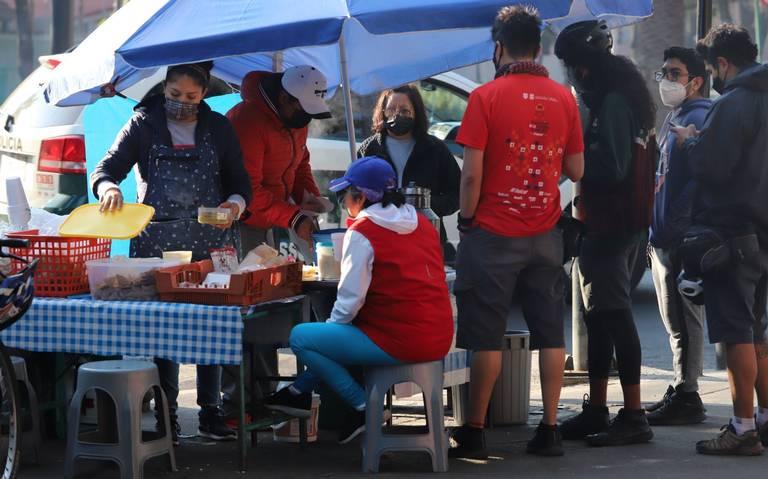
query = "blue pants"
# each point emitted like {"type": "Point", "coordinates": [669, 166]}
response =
{"type": "Point", "coordinates": [326, 348]}
{"type": "Point", "coordinates": [208, 384]}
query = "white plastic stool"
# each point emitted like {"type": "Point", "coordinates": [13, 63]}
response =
{"type": "Point", "coordinates": [22, 378]}
{"type": "Point", "coordinates": [378, 380]}
{"type": "Point", "coordinates": [125, 382]}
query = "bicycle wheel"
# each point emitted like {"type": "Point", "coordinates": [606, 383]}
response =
{"type": "Point", "coordinates": [10, 418]}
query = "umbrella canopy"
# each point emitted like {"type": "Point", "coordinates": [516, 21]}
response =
{"type": "Point", "coordinates": [376, 44]}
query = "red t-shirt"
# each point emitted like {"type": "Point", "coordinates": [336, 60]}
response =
{"type": "Point", "coordinates": [526, 124]}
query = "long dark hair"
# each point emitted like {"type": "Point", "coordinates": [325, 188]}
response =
{"type": "Point", "coordinates": [616, 73]}
{"type": "Point", "coordinates": [420, 124]}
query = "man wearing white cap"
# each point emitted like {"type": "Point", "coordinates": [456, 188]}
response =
{"type": "Point", "coordinates": [272, 124]}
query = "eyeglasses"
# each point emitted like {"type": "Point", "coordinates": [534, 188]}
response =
{"type": "Point", "coordinates": [390, 112]}
{"type": "Point", "coordinates": [671, 75]}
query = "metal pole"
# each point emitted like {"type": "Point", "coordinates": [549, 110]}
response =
{"type": "Point", "coordinates": [704, 18]}
{"type": "Point", "coordinates": [703, 25]}
{"type": "Point", "coordinates": [578, 327]}
{"type": "Point", "coordinates": [347, 91]}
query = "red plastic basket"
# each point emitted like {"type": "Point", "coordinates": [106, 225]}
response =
{"type": "Point", "coordinates": [61, 271]}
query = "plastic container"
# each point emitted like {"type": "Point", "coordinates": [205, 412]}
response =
{"type": "Point", "coordinates": [185, 257]}
{"type": "Point", "coordinates": [180, 284]}
{"type": "Point", "coordinates": [289, 431]}
{"type": "Point", "coordinates": [61, 271]}
{"type": "Point", "coordinates": [125, 279]}
{"type": "Point", "coordinates": [327, 266]}
{"type": "Point", "coordinates": [512, 394]}
{"type": "Point", "coordinates": [213, 216]}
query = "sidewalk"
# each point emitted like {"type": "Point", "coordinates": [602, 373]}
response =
{"type": "Point", "coordinates": [671, 454]}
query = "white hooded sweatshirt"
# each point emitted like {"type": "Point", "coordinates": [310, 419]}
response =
{"type": "Point", "coordinates": [357, 258]}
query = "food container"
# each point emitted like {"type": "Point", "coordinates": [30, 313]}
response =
{"type": "Point", "coordinates": [185, 257]}
{"type": "Point", "coordinates": [125, 279]}
{"type": "Point", "coordinates": [183, 284]}
{"type": "Point", "coordinates": [213, 216]}
{"type": "Point", "coordinates": [327, 266]}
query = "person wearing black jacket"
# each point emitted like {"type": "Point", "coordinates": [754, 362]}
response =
{"type": "Point", "coordinates": [187, 156]}
{"type": "Point", "coordinates": [728, 161]}
{"type": "Point", "coordinates": [400, 137]}
{"type": "Point", "coordinates": [614, 202]}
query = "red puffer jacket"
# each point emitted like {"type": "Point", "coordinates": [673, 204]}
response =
{"type": "Point", "coordinates": [276, 158]}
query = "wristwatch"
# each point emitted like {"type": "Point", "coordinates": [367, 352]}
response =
{"type": "Point", "coordinates": [465, 224]}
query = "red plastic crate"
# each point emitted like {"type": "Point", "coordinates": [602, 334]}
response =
{"type": "Point", "coordinates": [61, 271]}
{"type": "Point", "coordinates": [244, 289]}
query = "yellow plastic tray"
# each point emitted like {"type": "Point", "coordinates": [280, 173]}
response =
{"type": "Point", "coordinates": [88, 222]}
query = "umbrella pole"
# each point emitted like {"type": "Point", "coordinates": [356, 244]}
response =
{"type": "Point", "coordinates": [347, 91]}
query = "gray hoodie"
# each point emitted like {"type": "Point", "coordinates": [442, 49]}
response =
{"type": "Point", "coordinates": [729, 159]}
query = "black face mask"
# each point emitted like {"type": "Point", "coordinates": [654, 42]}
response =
{"type": "Point", "coordinates": [298, 120]}
{"type": "Point", "coordinates": [400, 125]}
{"type": "Point", "coordinates": [497, 60]}
{"type": "Point", "coordinates": [580, 82]}
{"type": "Point", "coordinates": [718, 84]}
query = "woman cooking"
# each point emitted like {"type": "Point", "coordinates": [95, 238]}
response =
{"type": "Point", "coordinates": [187, 156]}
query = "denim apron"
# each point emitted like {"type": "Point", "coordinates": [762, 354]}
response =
{"type": "Point", "coordinates": [179, 181]}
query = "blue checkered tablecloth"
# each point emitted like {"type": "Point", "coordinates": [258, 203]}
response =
{"type": "Point", "coordinates": [185, 333]}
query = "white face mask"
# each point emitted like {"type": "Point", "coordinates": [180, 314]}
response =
{"type": "Point", "coordinates": [672, 93]}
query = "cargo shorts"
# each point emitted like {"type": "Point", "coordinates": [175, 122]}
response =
{"type": "Point", "coordinates": [490, 269]}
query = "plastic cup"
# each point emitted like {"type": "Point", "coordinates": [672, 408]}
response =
{"type": "Point", "coordinates": [184, 256]}
{"type": "Point", "coordinates": [19, 216]}
{"type": "Point", "coordinates": [338, 243]}
{"type": "Point", "coordinates": [14, 191]}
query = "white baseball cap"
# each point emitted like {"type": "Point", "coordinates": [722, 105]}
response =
{"type": "Point", "coordinates": [308, 85]}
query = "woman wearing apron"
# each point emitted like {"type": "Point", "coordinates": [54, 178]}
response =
{"type": "Point", "coordinates": [186, 156]}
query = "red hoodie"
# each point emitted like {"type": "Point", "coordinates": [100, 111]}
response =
{"type": "Point", "coordinates": [276, 158]}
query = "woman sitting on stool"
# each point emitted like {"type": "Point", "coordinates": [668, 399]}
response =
{"type": "Point", "coordinates": [392, 305]}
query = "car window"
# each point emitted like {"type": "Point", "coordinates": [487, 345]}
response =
{"type": "Point", "coordinates": [445, 109]}
{"type": "Point", "coordinates": [335, 128]}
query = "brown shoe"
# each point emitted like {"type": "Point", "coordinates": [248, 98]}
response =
{"type": "Point", "coordinates": [728, 443]}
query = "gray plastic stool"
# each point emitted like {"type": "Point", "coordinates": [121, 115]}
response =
{"type": "Point", "coordinates": [125, 382]}
{"type": "Point", "coordinates": [22, 377]}
{"type": "Point", "coordinates": [378, 380]}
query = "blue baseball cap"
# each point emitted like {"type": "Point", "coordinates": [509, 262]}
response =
{"type": "Point", "coordinates": [369, 173]}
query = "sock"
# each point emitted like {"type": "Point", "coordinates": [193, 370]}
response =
{"type": "Point", "coordinates": [292, 389]}
{"type": "Point", "coordinates": [743, 424]}
{"type": "Point", "coordinates": [762, 416]}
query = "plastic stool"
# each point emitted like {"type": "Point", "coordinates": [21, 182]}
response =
{"type": "Point", "coordinates": [126, 383]}
{"type": "Point", "coordinates": [22, 377]}
{"type": "Point", "coordinates": [378, 380]}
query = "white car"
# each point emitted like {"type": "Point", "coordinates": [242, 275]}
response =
{"type": "Point", "coordinates": [44, 144]}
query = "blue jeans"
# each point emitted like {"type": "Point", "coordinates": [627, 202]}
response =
{"type": "Point", "coordinates": [208, 384]}
{"type": "Point", "coordinates": [326, 348]}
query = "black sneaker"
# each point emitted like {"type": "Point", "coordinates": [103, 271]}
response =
{"type": "Point", "coordinates": [591, 420]}
{"type": "Point", "coordinates": [470, 443]}
{"type": "Point", "coordinates": [659, 404]}
{"type": "Point", "coordinates": [681, 408]}
{"type": "Point", "coordinates": [763, 432]}
{"type": "Point", "coordinates": [628, 427]}
{"type": "Point", "coordinates": [175, 430]}
{"type": "Point", "coordinates": [212, 426]}
{"type": "Point", "coordinates": [546, 442]}
{"type": "Point", "coordinates": [354, 426]}
{"type": "Point", "coordinates": [297, 405]}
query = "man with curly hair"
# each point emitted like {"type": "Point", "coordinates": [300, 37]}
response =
{"type": "Point", "coordinates": [728, 161]}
